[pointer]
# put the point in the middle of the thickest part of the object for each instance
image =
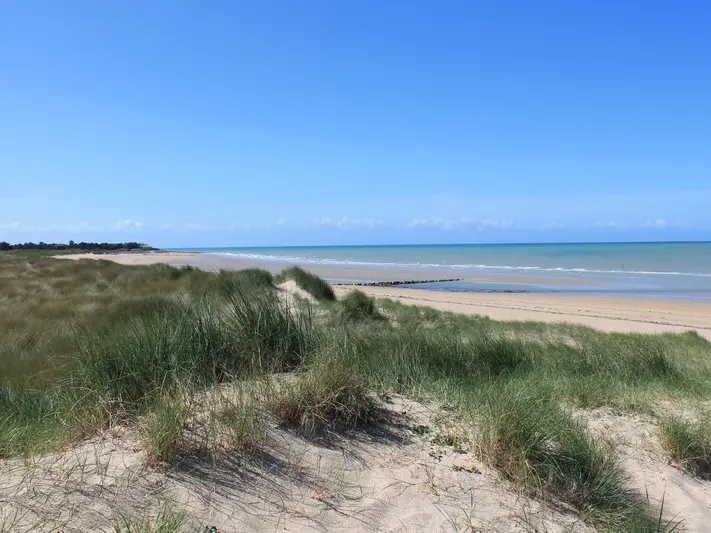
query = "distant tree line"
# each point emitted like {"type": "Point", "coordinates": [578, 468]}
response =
{"type": "Point", "coordinates": [83, 246]}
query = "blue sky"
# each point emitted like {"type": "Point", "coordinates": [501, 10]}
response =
{"type": "Point", "coordinates": [285, 123]}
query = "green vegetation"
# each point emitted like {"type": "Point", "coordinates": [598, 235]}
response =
{"type": "Point", "coordinates": [87, 344]}
{"type": "Point", "coordinates": [688, 444]}
{"type": "Point", "coordinates": [359, 306]}
{"type": "Point", "coordinates": [169, 520]}
{"type": "Point", "coordinates": [328, 394]}
{"type": "Point", "coordinates": [77, 246]}
{"type": "Point", "coordinates": [537, 444]}
{"type": "Point", "coordinates": [309, 282]}
{"type": "Point", "coordinates": [164, 432]}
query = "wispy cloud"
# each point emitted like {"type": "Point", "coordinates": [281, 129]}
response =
{"type": "Point", "coordinates": [659, 223]}
{"type": "Point", "coordinates": [11, 225]}
{"type": "Point", "coordinates": [127, 224]}
{"type": "Point", "coordinates": [282, 221]}
{"type": "Point", "coordinates": [435, 222]}
{"type": "Point", "coordinates": [69, 227]}
{"type": "Point", "coordinates": [461, 222]}
{"type": "Point", "coordinates": [553, 225]}
{"type": "Point", "coordinates": [610, 224]}
{"type": "Point", "coordinates": [346, 222]}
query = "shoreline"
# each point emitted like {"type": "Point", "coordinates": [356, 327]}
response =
{"type": "Point", "coordinates": [338, 274]}
{"type": "Point", "coordinates": [624, 315]}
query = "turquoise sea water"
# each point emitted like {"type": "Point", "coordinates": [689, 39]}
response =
{"type": "Point", "coordinates": [668, 270]}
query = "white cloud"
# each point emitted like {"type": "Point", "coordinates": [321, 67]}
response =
{"type": "Point", "coordinates": [659, 223]}
{"type": "Point", "coordinates": [346, 222]}
{"type": "Point", "coordinates": [552, 225]}
{"type": "Point", "coordinates": [663, 223]}
{"type": "Point", "coordinates": [456, 223]}
{"type": "Point", "coordinates": [610, 224]}
{"type": "Point", "coordinates": [71, 227]}
{"type": "Point", "coordinates": [192, 225]}
{"type": "Point", "coordinates": [433, 222]}
{"type": "Point", "coordinates": [496, 223]}
{"type": "Point", "coordinates": [75, 226]}
{"type": "Point", "coordinates": [127, 224]}
{"type": "Point", "coordinates": [277, 223]}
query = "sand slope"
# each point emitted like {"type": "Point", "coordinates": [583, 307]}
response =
{"type": "Point", "coordinates": [686, 500]}
{"type": "Point", "coordinates": [389, 478]}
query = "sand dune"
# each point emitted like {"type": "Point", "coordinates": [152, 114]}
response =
{"type": "Point", "coordinates": [606, 314]}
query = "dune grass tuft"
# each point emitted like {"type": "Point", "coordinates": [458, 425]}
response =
{"type": "Point", "coordinates": [356, 305]}
{"type": "Point", "coordinates": [535, 443]}
{"type": "Point", "coordinates": [329, 394]}
{"type": "Point", "coordinates": [163, 432]}
{"type": "Point", "coordinates": [237, 428]}
{"type": "Point", "coordinates": [193, 343]}
{"type": "Point", "coordinates": [245, 280]}
{"type": "Point", "coordinates": [688, 443]}
{"type": "Point", "coordinates": [30, 420]}
{"type": "Point", "coordinates": [169, 520]}
{"type": "Point", "coordinates": [311, 283]}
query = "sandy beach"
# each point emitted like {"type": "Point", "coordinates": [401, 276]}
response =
{"type": "Point", "coordinates": [606, 314]}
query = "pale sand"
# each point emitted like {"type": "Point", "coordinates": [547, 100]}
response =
{"type": "Point", "coordinates": [606, 314]}
{"type": "Point", "coordinates": [389, 479]}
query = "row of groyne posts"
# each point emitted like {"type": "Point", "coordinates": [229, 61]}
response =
{"type": "Point", "coordinates": [395, 283]}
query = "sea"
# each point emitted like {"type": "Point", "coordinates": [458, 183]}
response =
{"type": "Point", "coordinates": [668, 270]}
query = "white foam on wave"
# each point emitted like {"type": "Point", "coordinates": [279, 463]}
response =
{"type": "Point", "coordinates": [507, 268]}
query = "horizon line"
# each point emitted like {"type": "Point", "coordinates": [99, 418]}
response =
{"type": "Point", "coordinates": [436, 244]}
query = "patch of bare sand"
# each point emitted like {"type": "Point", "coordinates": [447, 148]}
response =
{"type": "Point", "coordinates": [687, 500]}
{"type": "Point", "coordinates": [388, 478]}
{"type": "Point", "coordinates": [291, 292]}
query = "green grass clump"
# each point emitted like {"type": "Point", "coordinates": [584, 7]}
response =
{"type": "Point", "coordinates": [688, 444]}
{"type": "Point", "coordinates": [249, 279]}
{"type": "Point", "coordinates": [535, 443]}
{"type": "Point", "coordinates": [356, 305]}
{"type": "Point", "coordinates": [268, 333]}
{"type": "Point", "coordinates": [163, 432]}
{"type": "Point", "coordinates": [169, 520]}
{"type": "Point", "coordinates": [30, 420]}
{"type": "Point", "coordinates": [329, 394]}
{"type": "Point", "coordinates": [311, 283]}
{"type": "Point", "coordinates": [190, 345]}
{"type": "Point", "coordinates": [154, 355]}
{"type": "Point", "coordinates": [237, 428]}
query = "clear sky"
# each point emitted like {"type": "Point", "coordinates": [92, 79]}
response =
{"type": "Point", "coordinates": [354, 122]}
